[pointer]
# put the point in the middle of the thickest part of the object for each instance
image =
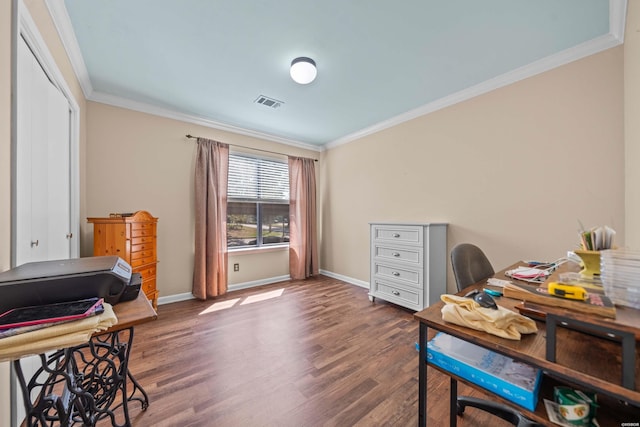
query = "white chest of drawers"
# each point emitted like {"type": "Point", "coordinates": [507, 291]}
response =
{"type": "Point", "coordinates": [408, 263]}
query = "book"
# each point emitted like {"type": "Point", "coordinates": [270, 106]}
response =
{"type": "Point", "coordinates": [596, 303]}
{"type": "Point", "coordinates": [50, 313]}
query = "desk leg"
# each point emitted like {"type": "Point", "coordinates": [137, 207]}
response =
{"type": "Point", "coordinates": [144, 399]}
{"type": "Point", "coordinates": [120, 372]}
{"type": "Point", "coordinates": [82, 385]}
{"type": "Point", "coordinates": [453, 402]}
{"type": "Point", "coordinates": [422, 376]}
{"type": "Point", "coordinates": [60, 396]}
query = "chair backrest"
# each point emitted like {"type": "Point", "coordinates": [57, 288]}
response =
{"type": "Point", "coordinates": [470, 265]}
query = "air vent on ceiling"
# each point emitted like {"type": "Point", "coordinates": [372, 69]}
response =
{"type": "Point", "coordinates": [268, 102]}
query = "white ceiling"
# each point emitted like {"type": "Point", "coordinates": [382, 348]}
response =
{"type": "Point", "coordinates": [379, 62]}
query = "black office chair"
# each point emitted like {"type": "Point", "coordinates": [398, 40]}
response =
{"type": "Point", "coordinates": [470, 265]}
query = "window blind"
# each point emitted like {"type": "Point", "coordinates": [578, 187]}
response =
{"type": "Point", "coordinates": [257, 179]}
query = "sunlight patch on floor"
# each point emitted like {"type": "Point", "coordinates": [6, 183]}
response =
{"type": "Point", "coordinates": [221, 305]}
{"type": "Point", "coordinates": [262, 296]}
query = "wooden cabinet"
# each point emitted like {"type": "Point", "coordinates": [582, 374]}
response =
{"type": "Point", "coordinates": [408, 263]}
{"type": "Point", "coordinates": [132, 237]}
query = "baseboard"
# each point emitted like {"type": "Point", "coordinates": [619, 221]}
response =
{"type": "Point", "coordinates": [175, 298]}
{"type": "Point", "coordinates": [347, 279]}
{"type": "Point", "coordinates": [254, 283]}
{"type": "Point", "coordinates": [236, 287]}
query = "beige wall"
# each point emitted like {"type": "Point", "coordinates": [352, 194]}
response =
{"type": "Point", "coordinates": [632, 124]}
{"type": "Point", "coordinates": [140, 161]}
{"type": "Point", "coordinates": [513, 170]}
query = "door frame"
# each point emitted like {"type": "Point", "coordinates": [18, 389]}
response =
{"type": "Point", "coordinates": [25, 27]}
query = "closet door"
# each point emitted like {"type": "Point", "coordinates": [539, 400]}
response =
{"type": "Point", "coordinates": [42, 173]}
{"type": "Point", "coordinates": [57, 181]}
{"type": "Point", "coordinates": [43, 211]}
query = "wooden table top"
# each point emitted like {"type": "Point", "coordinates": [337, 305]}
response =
{"type": "Point", "coordinates": [132, 313]}
{"type": "Point", "coordinates": [578, 355]}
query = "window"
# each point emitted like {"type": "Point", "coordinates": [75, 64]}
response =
{"type": "Point", "coordinates": [257, 202]}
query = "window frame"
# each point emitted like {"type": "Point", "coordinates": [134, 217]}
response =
{"type": "Point", "coordinates": [259, 203]}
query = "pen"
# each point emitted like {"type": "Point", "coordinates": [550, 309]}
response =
{"type": "Point", "coordinates": [492, 292]}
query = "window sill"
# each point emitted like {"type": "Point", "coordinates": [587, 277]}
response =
{"type": "Point", "coordinates": [261, 249]}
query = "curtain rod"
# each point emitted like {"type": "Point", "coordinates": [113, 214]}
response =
{"type": "Point", "coordinates": [250, 148]}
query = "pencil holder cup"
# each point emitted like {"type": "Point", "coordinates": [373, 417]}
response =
{"type": "Point", "coordinates": [590, 263]}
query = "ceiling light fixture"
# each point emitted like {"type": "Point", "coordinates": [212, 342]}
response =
{"type": "Point", "coordinates": [303, 70]}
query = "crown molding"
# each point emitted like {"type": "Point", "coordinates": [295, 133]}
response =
{"type": "Point", "coordinates": [63, 25]}
{"type": "Point", "coordinates": [62, 22]}
{"type": "Point", "coordinates": [615, 37]}
{"type": "Point", "coordinates": [561, 58]}
{"type": "Point", "coordinates": [617, 20]}
{"type": "Point", "coordinates": [142, 107]}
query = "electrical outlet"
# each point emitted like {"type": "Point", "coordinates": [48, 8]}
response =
{"type": "Point", "coordinates": [236, 267]}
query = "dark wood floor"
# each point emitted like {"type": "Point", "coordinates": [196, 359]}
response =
{"type": "Point", "coordinates": [300, 353]}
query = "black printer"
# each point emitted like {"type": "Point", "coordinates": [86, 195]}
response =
{"type": "Point", "coordinates": [48, 282]}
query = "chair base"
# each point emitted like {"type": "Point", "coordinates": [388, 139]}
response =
{"type": "Point", "coordinates": [503, 411]}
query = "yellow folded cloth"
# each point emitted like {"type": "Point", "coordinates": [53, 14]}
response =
{"type": "Point", "coordinates": [501, 322]}
{"type": "Point", "coordinates": [55, 337]}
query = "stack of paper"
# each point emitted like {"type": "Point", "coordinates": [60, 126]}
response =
{"type": "Point", "coordinates": [620, 275]}
{"type": "Point", "coordinates": [529, 274]}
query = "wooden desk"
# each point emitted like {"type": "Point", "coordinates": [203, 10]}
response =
{"type": "Point", "coordinates": [582, 360]}
{"type": "Point", "coordinates": [83, 384]}
{"type": "Point", "coordinates": [132, 313]}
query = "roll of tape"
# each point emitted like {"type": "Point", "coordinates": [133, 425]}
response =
{"type": "Point", "coordinates": [579, 412]}
{"type": "Point", "coordinates": [576, 407]}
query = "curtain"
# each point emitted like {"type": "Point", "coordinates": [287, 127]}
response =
{"type": "Point", "coordinates": [210, 262]}
{"type": "Point", "coordinates": [303, 244]}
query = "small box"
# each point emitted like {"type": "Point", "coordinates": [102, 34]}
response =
{"type": "Point", "coordinates": [513, 380]}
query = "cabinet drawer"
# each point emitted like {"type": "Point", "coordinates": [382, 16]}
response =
{"type": "Point", "coordinates": [403, 234]}
{"type": "Point", "coordinates": [401, 274]}
{"type": "Point", "coordinates": [143, 240]}
{"type": "Point", "coordinates": [148, 246]}
{"type": "Point", "coordinates": [391, 292]}
{"type": "Point", "coordinates": [142, 225]}
{"type": "Point", "coordinates": [146, 272]}
{"type": "Point", "coordinates": [143, 232]}
{"type": "Point", "coordinates": [149, 286]}
{"type": "Point", "coordinates": [396, 253]}
{"type": "Point", "coordinates": [142, 261]}
{"type": "Point", "coordinates": [149, 253]}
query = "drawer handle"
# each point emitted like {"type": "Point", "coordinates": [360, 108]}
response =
{"type": "Point", "coordinates": [396, 234]}
{"type": "Point", "coordinates": [396, 293]}
{"type": "Point", "coordinates": [395, 273]}
{"type": "Point", "coordinates": [396, 254]}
